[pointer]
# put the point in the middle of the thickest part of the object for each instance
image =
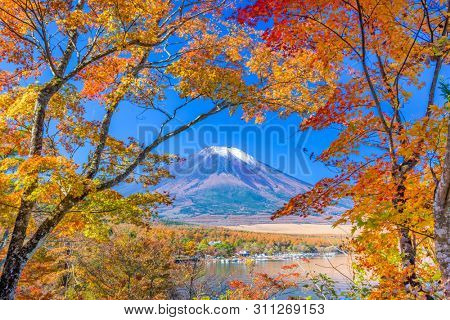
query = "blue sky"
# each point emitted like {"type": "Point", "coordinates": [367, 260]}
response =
{"type": "Point", "coordinates": [275, 142]}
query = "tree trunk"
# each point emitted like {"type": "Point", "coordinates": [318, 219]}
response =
{"type": "Point", "coordinates": [12, 266]}
{"type": "Point", "coordinates": [19, 252]}
{"type": "Point", "coordinates": [441, 211]}
{"type": "Point", "coordinates": [407, 249]}
{"type": "Point", "coordinates": [12, 271]}
{"type": "Point", "coordinates": [16, 258]}
{"type": "Point", "coordinates": [409, 260]}
{"type": "Point", "coordinates": [40, 106]}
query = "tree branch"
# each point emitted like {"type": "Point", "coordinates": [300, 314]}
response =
{"type": "Point", "coordinates": [161, 138]}
{"type": "Point", "coordinates": [372, 87]}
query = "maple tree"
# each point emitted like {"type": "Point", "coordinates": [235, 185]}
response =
{"type": "Point", "coordinates": [134, 264]}
{"type": "Point", "coordinates": [61, 60]}
{"type": "Point", "coordinates": [391, 150]}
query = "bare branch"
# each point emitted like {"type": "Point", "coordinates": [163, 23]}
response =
{"type": "Point", "coordinates": [161, 138]}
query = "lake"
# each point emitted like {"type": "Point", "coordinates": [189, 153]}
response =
{"type": "Point", "coordinates": [336, 267]}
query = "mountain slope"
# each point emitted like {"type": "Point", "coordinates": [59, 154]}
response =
{"type": "Point", "coordinates": [221, 185]}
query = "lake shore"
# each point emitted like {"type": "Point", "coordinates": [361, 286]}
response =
{"type": "Point", "coordinates": [275, 257]}
{"type": "Point", "coordinates": [296, 229]}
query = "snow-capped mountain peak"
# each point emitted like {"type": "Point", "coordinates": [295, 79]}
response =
{"type": "Point", "coordinates": [229, 151]}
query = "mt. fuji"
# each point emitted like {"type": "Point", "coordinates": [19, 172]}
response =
{"type": "Point", "coordinates": [226, 186]}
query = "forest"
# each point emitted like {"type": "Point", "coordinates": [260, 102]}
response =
{"type": "Point", "coordinates": [74, 72]}
{"type": "Point", "coordinates": [157, 262]}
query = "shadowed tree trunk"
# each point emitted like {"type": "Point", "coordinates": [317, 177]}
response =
{"type": "Point", "coordinates": [406, 245]}
{"type": "Point", "coordinates": [20, 252]}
